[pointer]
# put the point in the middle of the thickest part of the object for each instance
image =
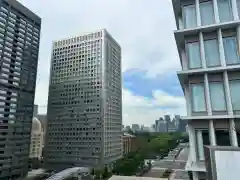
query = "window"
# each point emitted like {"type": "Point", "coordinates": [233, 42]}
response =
{"type": "Point", "coordinates": [190, 16]}
{"type": "Point", "coordinates": [222, 137]}
{"type": "Point", "coordinates": [217, 96]}
{"type": "Point", "coordinates": [202, 137]}
{"type": "Point", "coordinates": [234, 91]}
{"type": "Point", "coordinates": [193, 52]}
{"type": "Point", "coordinates": [224, 10]}
{"type": "Point", "coordinates": [211, 52]}
{"type": "Point", "coordinates": [230, 50]}
{"type": "Point", "coordinates": [207, 15]}
{"type": "Point", "coordinates": [198, 98]}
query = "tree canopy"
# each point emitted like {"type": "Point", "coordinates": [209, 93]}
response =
{"type": "Point", "coordinates": [150, 145]}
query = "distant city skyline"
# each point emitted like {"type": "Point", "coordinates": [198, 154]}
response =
{"type": "Point", "coordinates": [162, 124]}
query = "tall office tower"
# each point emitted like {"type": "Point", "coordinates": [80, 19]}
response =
{"type": "Point", "coordinates": [85, 102]}
{"type": "Point", "coordinates": [167, 120]}
{"type": "Point", "coordinates": [207, 39]}
{"type": "Point", "coordinates": [19, 44]}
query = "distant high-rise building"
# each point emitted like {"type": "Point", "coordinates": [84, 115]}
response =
{"type": "Point", "coordinates": [36, 145]}
{"type": "Point", "coordinates": [167, 120]}
{"type": "Point", "coordinates": [180, 124]}
{"type": "Point", "coordinates": [161, 125]}
{"type": "Point", "coordinates": [19, 45]}
{"type": "Point", "coordinates": [172, 126]}
{"type": "Point", "coordinates": [85, 102]}
{"type": "Point", "coordinates": [177, 120]}
{"type": "Point", "coordinates": [207, 39]}
{"type": "Point", "coordinates": [153, 127]}
{"type": "Point", "coordinates": [156, 125]}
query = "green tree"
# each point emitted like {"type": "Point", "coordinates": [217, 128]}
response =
{"type": "Point", "coordinates": [149, 145]}
{"type": "Point", "coordinates": [105, 172]}
{"type": "Point", "coordinates": [92, 171]}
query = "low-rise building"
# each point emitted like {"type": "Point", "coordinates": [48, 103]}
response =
{"type": "Point", "coordinates": [36, 139]}
{"type": "Point", "coordinates": [129, 143]}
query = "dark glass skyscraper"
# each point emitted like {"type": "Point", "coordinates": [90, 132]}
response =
{"type": "Point", "coordinates": [19, 44]}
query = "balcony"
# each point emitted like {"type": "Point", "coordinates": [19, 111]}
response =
{"type": "Point", "coordinates": [184, 74]}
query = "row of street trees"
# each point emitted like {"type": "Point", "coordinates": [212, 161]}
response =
{"type": "Point", "coordinates": [150, 146]}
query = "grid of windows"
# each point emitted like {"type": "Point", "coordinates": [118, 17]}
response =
{"type": "Point", "coordinates": [206, 9]}
{"type": "Point", "coordinates": [81, 59]}
{"type": "Point", "coordinates": [211, 49]}
{"type": "Point", "coordinates": [19, 44]}
{"type": "Point", "coordinates": [207, 39]}
{"type": "Point", "coordinates": [84, 108]}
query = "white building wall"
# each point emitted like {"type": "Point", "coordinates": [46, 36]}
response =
{"type": "Point", "coordinates": [206, 74]}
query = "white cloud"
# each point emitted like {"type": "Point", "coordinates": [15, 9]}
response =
{"type": "Point", "coordinates": [142, 110]}
{"type": "Point", "coordinates": [143, 28]}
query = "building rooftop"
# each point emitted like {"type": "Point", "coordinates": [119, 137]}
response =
{"type": "Point", "coordinates": [36, 125]}
{"type": "Point", "coordinates": [68, 172]}
{"type": "Point", "coordinates": [35, 172]}
{"type": "Point", "coordinates": [129, 135]}
{"type": "Point", "coordinates": [134, 178]}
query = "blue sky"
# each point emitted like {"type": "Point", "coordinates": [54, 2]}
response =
{"type": "Point", "coordinates": [144, 29]}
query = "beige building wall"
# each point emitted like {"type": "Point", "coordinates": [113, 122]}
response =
{"type": "Point", "coordinates": [37, 140]}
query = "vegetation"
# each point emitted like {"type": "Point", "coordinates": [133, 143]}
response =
{"type": "Point", "coordinates": [150, 146]}
{"type": "Point", "coordinates": [130, 164]}
{"type": "Point", "coordinates": [101, 173]}
{"type": "Point", "coordinates": [71, 178]}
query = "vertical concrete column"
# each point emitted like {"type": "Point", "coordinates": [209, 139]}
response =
{"type": "Point", "coordinates": [227, 93]}
{"type": "Point", "coordinates": [238, 38]}
{"type": "Point", "coordinates": [221, 49]}
{"type": "Point", "coordinates": [200, 145]}
{"type": "Point", "coordinates": [188, 100]}
{"type": "Point", "coordinates": [202, 51]}
{"type": "Point", "coordinates": [234, 9]}
{"type": "Point", "coordinates": [212, 133]}
{"type": "Point", "coordinates": [195, 175]}
{"type": "Point", "coordinates": [184, 60]}
{"type": "Point", "coordinates": [233, 133]}
{"type": "Point", "coordinates": [207, 94]}
{"type": "Point", "coordinates": [192, 140]}
{"type": "Point", "coordinates": [215, 10]}
{"type": "Point", "coordinates": [181, 24]}
{"type": "Point", "coordinates": [198, 13]}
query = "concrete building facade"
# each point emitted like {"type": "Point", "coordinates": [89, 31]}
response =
{"type": "Point", "coordinates": [207, 39]}
{"type": "Point", "coordinates": [36, 145]}
{"type": "Point", "coordinates": [85, 102]}
{"type": "Point", "coordinates": [161, 125]}
{"type": "Point", "coordinates": [19, 45]}
{"type": "Point", "coordinates": [129, 143]}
